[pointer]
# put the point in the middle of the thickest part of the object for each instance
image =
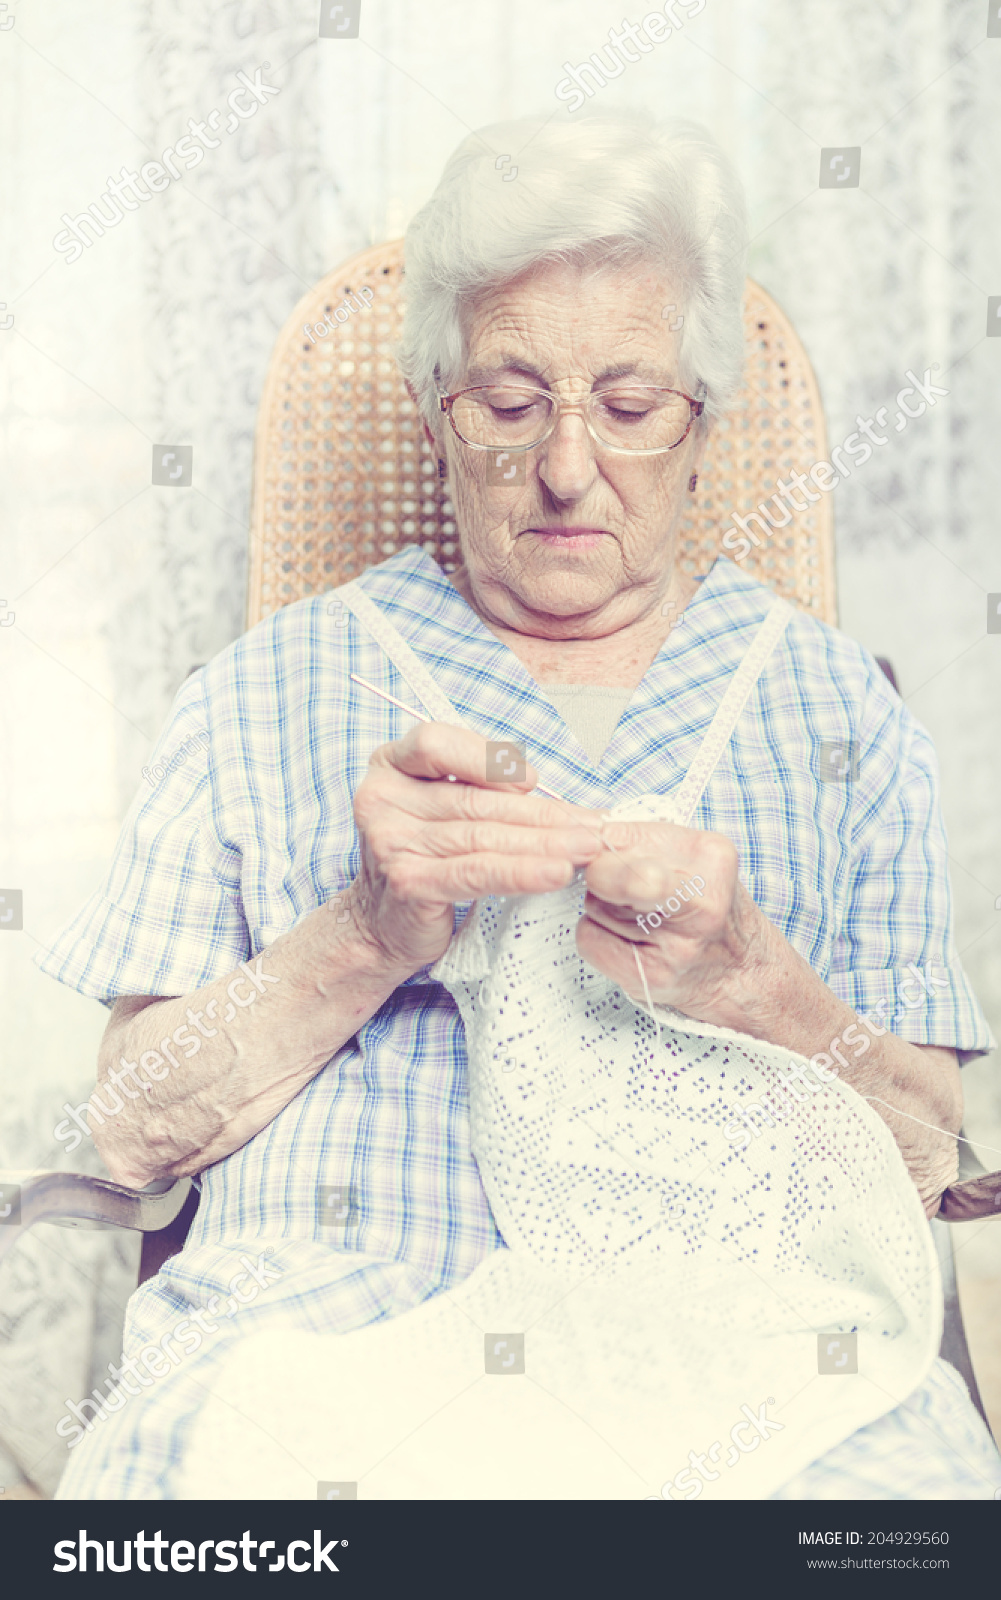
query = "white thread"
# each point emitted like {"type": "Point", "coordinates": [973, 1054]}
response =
{"type": "Point", "coordinates": [384, 695]}
{"type": "Point", "coordinates": [961, 1137]}
{"type": "Point", "coordinates": [646, 991]}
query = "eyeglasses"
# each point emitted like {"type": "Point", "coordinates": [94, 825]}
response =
{"type": "Point", "coordinates": [640, 421]}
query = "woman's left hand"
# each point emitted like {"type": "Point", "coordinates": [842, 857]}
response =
{"type": "Point", "coordinates": [672, 896]}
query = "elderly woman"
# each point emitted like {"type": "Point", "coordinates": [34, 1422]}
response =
{"type": "Point", "coordinates": [679, 917]}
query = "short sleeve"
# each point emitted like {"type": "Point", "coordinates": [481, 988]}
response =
{"type": "Point", "coordinates": [168, 917]}
{"type": "Point", "coordinates": [895, 953]}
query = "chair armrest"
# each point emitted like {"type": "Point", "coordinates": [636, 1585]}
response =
{"type": "Point", "coordinates": [30, 1197]}
{"type": "Point", "coordinates": [976, 1192]}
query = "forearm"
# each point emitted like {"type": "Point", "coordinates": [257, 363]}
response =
{"type": "Point", "coordinates": [198, 1076]}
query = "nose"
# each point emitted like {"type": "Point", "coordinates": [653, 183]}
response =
{"type": "Point", "coordinates": [566, 461]}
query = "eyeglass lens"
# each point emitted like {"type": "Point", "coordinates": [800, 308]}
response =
{"type": "Point", "coordinates": [637, 418]}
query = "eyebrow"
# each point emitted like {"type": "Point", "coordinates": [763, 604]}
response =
{"type": "Point", "coordinates": [508, 361]}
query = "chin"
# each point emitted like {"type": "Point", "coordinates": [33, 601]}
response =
{"type": "Point", "coordinates": [566, 594]}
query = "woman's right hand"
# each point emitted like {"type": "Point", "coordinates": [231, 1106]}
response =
{"type": "Point", "coordinates": [427, 843]}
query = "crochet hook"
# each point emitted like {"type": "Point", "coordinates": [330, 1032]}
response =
{"type": "Point", "coordinates": [422, 718]}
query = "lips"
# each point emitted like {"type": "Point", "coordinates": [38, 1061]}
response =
{"type": "Point", "coordinates": [578, 538]}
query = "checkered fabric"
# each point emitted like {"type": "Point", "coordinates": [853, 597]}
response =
{"type": "Point", "coordinates": [933, 1447]}
{"type": "Point", "coordinates": [251, 828]}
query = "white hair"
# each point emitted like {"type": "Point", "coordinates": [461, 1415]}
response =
{"type": "Point", "coordinates": [603, 190]}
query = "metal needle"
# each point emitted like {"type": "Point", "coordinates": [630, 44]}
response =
{"type": "Point", "coordinates": [422, 718]}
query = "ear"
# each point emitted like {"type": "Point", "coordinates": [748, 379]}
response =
{"type": "Point", "coordinates": [702, 437]}
{"type": "Point", "coordinates": [429, 436]}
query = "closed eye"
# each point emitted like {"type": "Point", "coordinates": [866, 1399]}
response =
{"type": "Point", "coordinates": [629, 409]}
{"type": "Point", "coordinates": [521, 410]}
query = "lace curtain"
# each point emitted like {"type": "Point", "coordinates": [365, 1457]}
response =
{"type": "Point", "coordinates": [160, 333]}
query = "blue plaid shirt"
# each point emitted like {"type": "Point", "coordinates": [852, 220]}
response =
{"type": "Point", "coordinates": [252, 829]}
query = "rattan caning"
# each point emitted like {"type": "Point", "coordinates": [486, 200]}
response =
{"type": "Point", "coordinates": [343, 476]}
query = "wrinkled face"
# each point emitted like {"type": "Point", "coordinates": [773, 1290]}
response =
{"type": "Point", "coordinates": [585, 544]}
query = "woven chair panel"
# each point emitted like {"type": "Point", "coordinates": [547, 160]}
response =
{"type": "Point", "coordinates": [343, 476]}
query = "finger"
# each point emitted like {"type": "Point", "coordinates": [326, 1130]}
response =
{"type": "Point", "coordinates": [439, 750]}
{"type": "Point", "coordinates": [643, 882]}
{"type": "Point", "coordinates": [467, 838]}
{"type": "Point", "coordinates": [659, 839]}
{"type": "Point", "coordinates": [623, 921]}
{"type": "Point", "coordinates": [472, 877]}
{"type": "Point", "coordinates": [434, 801]}
{"type": "Point", "coordinates": [611, 955]}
